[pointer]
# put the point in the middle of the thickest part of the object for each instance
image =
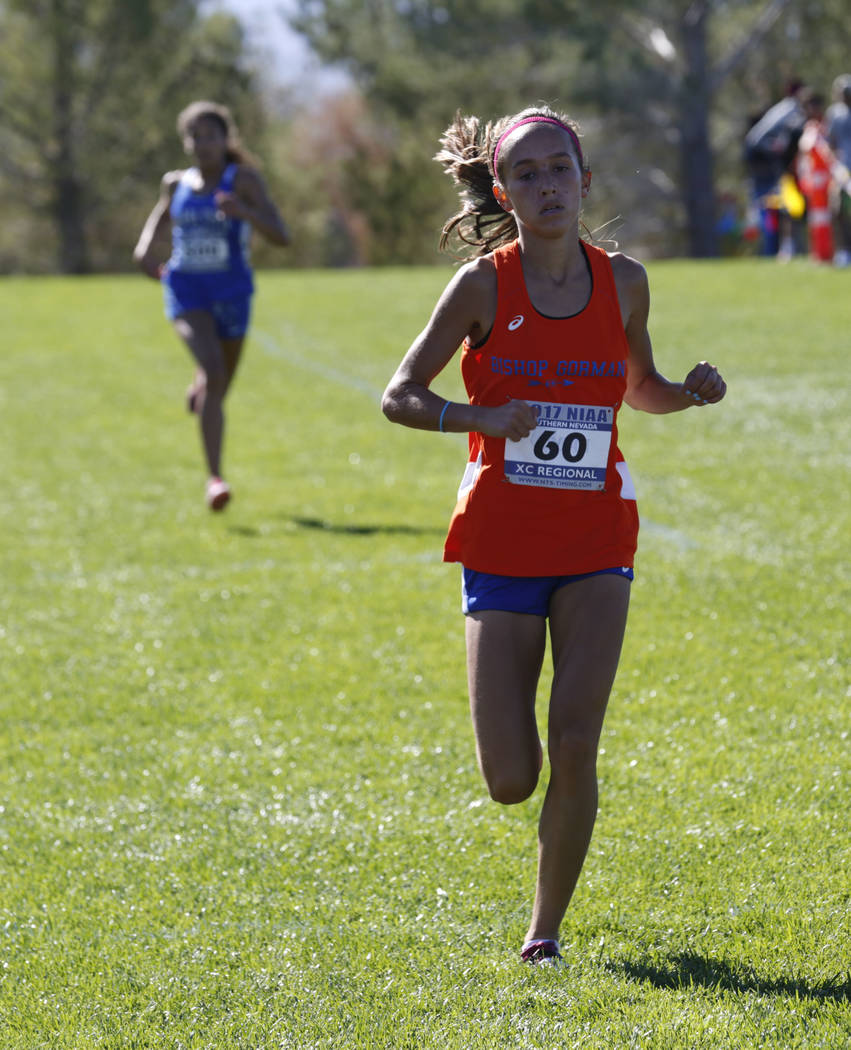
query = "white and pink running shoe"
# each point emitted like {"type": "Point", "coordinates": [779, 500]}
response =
{"type": "Point", "coordinates": [218, 493]}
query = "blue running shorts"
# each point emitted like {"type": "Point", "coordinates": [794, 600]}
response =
{"type": "Point", "coordinates": [522, 594]}
{"type": "Point", "coordinates": [231, 314]}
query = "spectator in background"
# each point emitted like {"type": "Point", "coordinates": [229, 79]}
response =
{"type": "Point", "coordinates": [729, 224]}
{"type": "Point", "coordinates": [771, 145]}
{"type": "Point", "coordinates": [838, 123]}
{"type": "Point", "coordinates": [822, 177]}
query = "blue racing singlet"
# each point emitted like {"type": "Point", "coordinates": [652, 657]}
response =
{"type": "Point", "coordinates": [206, 244]}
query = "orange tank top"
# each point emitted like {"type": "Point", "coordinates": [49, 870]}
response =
{"type": "Point", "coordinates": [561, 501]}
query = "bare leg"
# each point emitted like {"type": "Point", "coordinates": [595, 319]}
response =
{"type": "Point", "coordinates": [232, 349]}
{"type": "Point", "coordinates": [218, 360]}
{"type": "Point", "coordinates": [843, 222]}
{"type": "Point", "coordinates": [505, 652]}
{"type": "Point", "coordinates": [587, 623]}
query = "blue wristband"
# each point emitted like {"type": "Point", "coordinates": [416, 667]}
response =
{"type": "Point", "coordinates": [442, 414]}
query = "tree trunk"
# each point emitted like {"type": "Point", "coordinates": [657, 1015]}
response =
{"type": "Point", "coordinates": [67, 197]}
{"type": "Point", "coordinates": [698, 183]}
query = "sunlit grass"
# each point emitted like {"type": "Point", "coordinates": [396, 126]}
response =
{"type": "Point", "coordinates": [239, 805]}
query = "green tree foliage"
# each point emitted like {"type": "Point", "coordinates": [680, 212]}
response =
{"type": "Point", "coordinates": [662, 87]}
{"type": "Point", "coordinates": [88, 100]}
{"type": "Point", "coordinates": [664, 90]}
{"type": "Point", "coordinates": [416, 63]}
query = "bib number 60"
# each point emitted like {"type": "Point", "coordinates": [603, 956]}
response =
{"type": "Point", "coordinates": [573, 447]}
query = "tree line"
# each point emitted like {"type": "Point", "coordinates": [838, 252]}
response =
{"type": "Point", "coordinates": [663, 89]}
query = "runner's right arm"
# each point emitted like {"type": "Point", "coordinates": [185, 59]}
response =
{"type": "Point", "coordinates": [158, 220]}
{"type": "Point", "coordinates": [466, 308]}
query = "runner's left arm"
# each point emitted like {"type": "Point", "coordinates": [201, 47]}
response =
{"type": "Point", "coordinates": [647, 389]}
{"type": "Point", "coordinates": [251, 202]}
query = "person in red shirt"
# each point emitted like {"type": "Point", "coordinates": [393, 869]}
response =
{"type": "Point", "coordinates": [554, 334]}
{"type": "Point", "coordinates": [822, 177]}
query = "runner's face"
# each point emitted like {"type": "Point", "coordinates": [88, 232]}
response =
{"type": "Point", "coordinates": [542, 180]}
{"type": "Point", "coordinates": [206, 141]}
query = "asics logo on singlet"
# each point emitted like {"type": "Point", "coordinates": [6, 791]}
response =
{"type": "Point", "coordinates": [515, 322]}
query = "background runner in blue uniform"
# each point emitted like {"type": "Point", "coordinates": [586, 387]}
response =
{"type": "Point", "coordinates": [207, 282]}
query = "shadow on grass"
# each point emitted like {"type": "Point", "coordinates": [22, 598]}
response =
{"type": "Point", "coordinates": [688, 970]}
{"type": "Point", "coordinates": [367, 530]}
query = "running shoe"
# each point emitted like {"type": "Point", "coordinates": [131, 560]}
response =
{"type": "Point", "coordinates": [218, 493]}
{"type": "Point", "coordinates": [541, 953]}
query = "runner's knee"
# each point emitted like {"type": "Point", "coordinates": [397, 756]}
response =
{"type": "Point", "coordinates": [573, 753]}
{"type": "Point", "coordinates": [510, 786]}
{"type": "Point", "coordinates": [217, 379]}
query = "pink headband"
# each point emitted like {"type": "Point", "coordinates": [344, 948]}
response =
{"type": "Point", "coordinates": [536, 120]}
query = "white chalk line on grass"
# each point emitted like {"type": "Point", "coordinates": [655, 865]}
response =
{"type": "Point", "coordinates": [313, 364]}
{"type": "Point", "coordinates": [674, 537]}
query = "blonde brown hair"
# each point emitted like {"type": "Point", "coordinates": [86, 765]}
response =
{"type": "Point", "coordinates": [467, 156]}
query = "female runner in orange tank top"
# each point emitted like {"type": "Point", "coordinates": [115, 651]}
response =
{"type": "Point", "coordinates": [523, 179]}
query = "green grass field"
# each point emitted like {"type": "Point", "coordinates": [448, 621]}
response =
{"type": "Point", "coordinates": [239, 803]}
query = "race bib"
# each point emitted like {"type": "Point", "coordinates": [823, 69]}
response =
{"type": "Point", "coordinates": [568, 449]}
{"type": "Point", "coordinates": [202, 253]}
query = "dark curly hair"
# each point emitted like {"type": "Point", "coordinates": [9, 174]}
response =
{"type": "Point", "coordinates": [221, 115]}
